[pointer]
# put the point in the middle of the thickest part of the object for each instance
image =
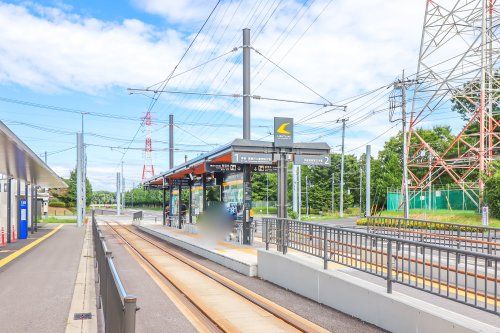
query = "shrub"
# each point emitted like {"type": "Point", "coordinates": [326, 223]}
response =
{"type": "Point", "coordinates": [56, 203]}
{"type": "Point", "coordinates": [492, 191]}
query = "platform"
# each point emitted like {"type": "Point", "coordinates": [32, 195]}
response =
{"type": "Point", "coordinates": [240, 258]}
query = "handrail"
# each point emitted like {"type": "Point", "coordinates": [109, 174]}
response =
{"type": "Point", "coordinates": [458, 274]}
{"type": "Point", "coordinates": [118, 307]}
{"type": "Point", "coordinates": [460, 225]}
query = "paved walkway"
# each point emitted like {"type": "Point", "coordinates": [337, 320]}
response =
{"type": "Point", "coordinates": [36, 288]}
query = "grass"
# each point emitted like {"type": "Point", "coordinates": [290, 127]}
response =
{"type": "Point", "coordinates": [53, 219]}
{"type": "Point", "coordinates": [468, 217]}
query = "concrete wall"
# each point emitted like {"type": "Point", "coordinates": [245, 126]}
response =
{"type": "Point", "coordinates": [367, 301]}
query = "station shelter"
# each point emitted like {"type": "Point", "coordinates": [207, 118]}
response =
{"type": "Point", "coordinates": [220, 177]}
{"type": "Point", "coordinates": [22, 174]}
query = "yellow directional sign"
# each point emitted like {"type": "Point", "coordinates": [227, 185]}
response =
{"type": "Point", "coordinates": [283, 132]}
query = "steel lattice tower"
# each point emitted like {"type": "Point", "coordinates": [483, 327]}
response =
{"type": "Point", "coordinates": [459, 62]}
{"type": "Point", "coordinates": [148, 169]}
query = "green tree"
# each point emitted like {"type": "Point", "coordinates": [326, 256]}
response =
{"type": "Point", "coordinates": [492, 190]}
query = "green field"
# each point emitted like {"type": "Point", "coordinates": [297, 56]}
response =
{"type": "Point", "coordinates": [53, 219]}
{"type": "Point", "coordinates": [456, 216]}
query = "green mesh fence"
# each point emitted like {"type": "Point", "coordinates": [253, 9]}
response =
{"type": "Point", "coordinates": [450, 199]}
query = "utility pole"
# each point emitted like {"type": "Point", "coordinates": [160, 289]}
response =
{"type": "Point", "coordinates": [247, 185]}
{"type": "Point", "coordinates": [295, 196]}
{"type": "Point", "coordinates": [79, 174]}
{"type": "Point", "coordinates": [368, 180]}
{"type": "Point", "coordinates": [307, 196]}
{"type": "Point", "coordinates": [118, 195]}
{"type": "Point", "coordinates": [341, 201]}
{"type": "Point", "coordinates": [267, 193]}
{"type": "Point", "coordinates": [84, 170]}
{"type": "Point", "coordinates": [171, 141]}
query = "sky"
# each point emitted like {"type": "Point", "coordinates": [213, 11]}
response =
{"type": "Point", "coordinates": [81, 56]}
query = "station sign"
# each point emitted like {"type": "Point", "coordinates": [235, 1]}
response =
{"type": "Point", "coordinates": [264, 168]}
{"type": "Point", "coordinates": [223, 167]}
{"type": "Point", "coordinates": [252, 158]}
{"type": "Point", "coordinates": [318, 160]}
{"type": "Point", "coordinates": [181, 182]}
{"type": "Point", "coordinates": [283, 132]}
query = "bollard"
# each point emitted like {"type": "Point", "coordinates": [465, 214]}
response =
{"type": "Point", "coordinates": [129, 308]}
{"type": "Point", "coordinates": [2, 242]}
{"type": "Point", "coordinates": [389, 267]}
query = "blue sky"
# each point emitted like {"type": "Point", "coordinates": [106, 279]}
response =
{"type": "Point", "coordinates": [83, 55]}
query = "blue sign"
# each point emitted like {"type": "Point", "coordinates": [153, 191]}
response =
{"type": "Point", "coordinates": [23, 223]}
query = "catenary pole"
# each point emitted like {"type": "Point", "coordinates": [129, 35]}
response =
{"type": "Point", "coordinates": [368, 180]}
{"type": "Point", "coordinates": [79, 173]}
{"type": "Point", "coordinates": [118, 195]}
{"type": "Point", "coordinates": [247, 186]}
{"type": "Point", "coordinates": [341, 200]}
{"type": "Point", "coordinates": [406, 199]}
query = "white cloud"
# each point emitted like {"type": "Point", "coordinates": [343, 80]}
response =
{"type": "Point", "coordinates": [46, 48]}
{"type": "Point", "coordinates": [178, 10]}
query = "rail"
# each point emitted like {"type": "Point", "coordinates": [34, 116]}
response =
{"type": "Point", "coordinates": [436, 269]}
{"type": "Point", "coordinates": [118, 307]}
{"type": "Point", "coordinates": [460, 236]}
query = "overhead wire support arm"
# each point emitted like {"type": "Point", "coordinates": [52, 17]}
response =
{"type": "Point", "coordinates": [257, 97]}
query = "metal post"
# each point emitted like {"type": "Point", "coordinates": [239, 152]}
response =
{"type": "Point", "coordinates": [129, 308]}
{"type": "Point", "coordinates": [341, 202]}
{"type": "Point", "coordinates": [247, 205]}
{"type": "Point", "coordinates": [360, 190]}
{"type": "Point", "coordinates": [164, 190]}
{"type": "Point", "coordinates": [190, 203]}
{"type": "Point", "coordinates": [325, 248]}
{"type": "Point", "coordinates": [482, 101]}
{"type": "Point", "coordinates": [204, 191]}
{"type": "Point", "coordinates": [179, 206]}
{"type": "Point", "coordinates": [35, 199]}
{"type": "Point", "coordinates": [332, 208]}
{"type": "Point", "coordinates": [389, 267]}
{"type": "Point", "coordinates": [307, 197]}
{"type": "Point", "coordinates": [45, 157]}
{"type": "Point", "coordinates": [430, 182]}
{"type": "Point", "coordinates": [300, 192]}
{"type": "Point", "coordinates": [9, 209]}
{"type": "Point", "coordinates": [282, 185]}
{"type": "Point", "coordinates": [79, 173]}
{"type": "Point", "coordinates": [118, 195]}
{"type": "Point", "coordinates": [122, 188]}
{"type": "Point", "coordinates": [405, 149]}
{"type": "Point", "coordinates": [368, 180]}
{"type": "Point", "coordinates": [267, 193]}
{"type": "Point", "coordinates": [246, 84]}
{"type": "Point", "coordinates": [171, 141]}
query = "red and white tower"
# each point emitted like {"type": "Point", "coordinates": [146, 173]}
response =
{"type": "Point", "coordinates": [148, 170]}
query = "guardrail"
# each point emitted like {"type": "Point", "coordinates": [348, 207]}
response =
{"type": "Point", "coordinates": [432, 268]}
{"type": "Point", "coordinates": [461, 236]}
{"type": "Point", "coordinates": [118, 307]}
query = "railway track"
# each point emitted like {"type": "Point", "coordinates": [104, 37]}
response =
{"type": "Point", "coordinates": [212, 302]}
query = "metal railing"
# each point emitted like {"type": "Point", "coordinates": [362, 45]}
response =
{"type": "Point", "coordinates": [473, 280]}
{"type": "Point", "coordinates": [118, 307]}
{"type": "Point", "coordinates": [459, 236]}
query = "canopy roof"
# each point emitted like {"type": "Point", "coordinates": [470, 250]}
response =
{"type": "Point", "coordinates": [18, 161]}
{"type": "Point", "coordinates": [223, 154]}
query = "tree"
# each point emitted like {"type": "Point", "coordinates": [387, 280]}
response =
{"type": "Point", "coordinates": [68, 196]}
{"type": "Point", "coordinates": [492, 190]}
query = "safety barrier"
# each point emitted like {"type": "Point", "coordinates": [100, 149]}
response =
{"type": "Point", "coordinates": [436, 269]}
{"type": "Point", "coordinates": [118, 307]}
{"type": "Point", "coordinates": [460, 236]}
